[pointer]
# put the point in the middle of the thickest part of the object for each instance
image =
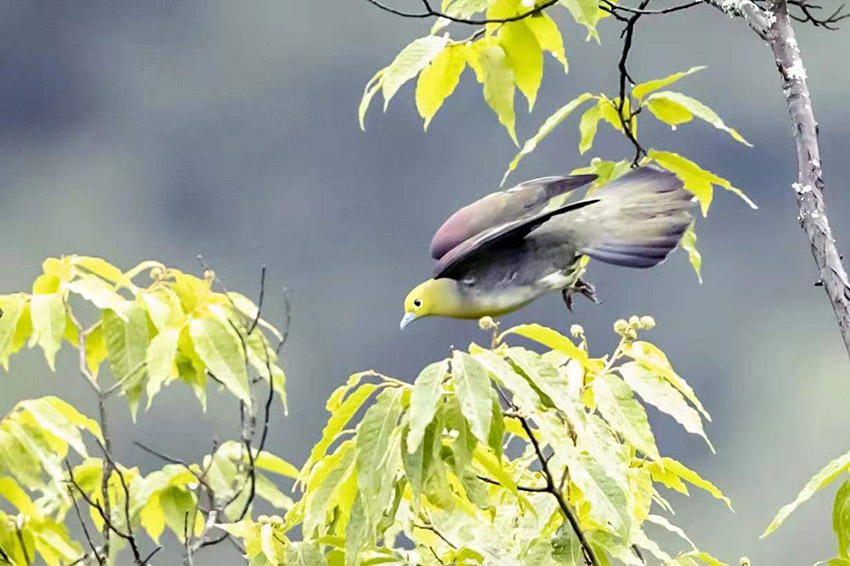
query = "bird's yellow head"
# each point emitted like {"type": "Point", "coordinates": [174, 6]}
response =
{"type": "Point", "coordinates": [434, 297]}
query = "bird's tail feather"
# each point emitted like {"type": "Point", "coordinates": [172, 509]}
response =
{"type": "Point", "coordinates": [639, 219]}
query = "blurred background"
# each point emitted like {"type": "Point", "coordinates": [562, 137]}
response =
{"type": "Point", "coordinates": [142, 130]}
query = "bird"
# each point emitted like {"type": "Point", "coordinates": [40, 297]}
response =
{"type": "Point", "coordinates": [511, 247]}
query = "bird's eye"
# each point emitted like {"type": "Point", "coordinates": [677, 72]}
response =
{"type": "Point", "coordinates": [417, 303]}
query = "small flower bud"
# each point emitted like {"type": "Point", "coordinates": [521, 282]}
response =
{"type": "Point", "coordinates": [209, 275]}
{"type": "Point", "coordinates": [621, 326]}
{"type": "Point", "coordinates": [156, 273]}
{"type": "Point", "coordinates": [487, 323]}
{"type": "Point", "coordinates": [577, 331]}
{"type": "Point", "coordinates": [647, 322]}
{"type": "Point", "coordinates": [634, 320]}
{"type": "Point", "coordinates": [631, 334]}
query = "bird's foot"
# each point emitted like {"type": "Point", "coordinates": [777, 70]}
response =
{"type": "Point", "coordinates": [581, 287]}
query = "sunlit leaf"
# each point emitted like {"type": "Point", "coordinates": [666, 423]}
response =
{"type": "Point", "coordinates": [641, 90]}
{"type": "Point", "coordinates": [617, 405]}
{"type": "Point", "coordinates": [549, 338]}
{"type": "Point", "coordinates": [472, 386]}
{"type": "Point", "coordinates": [438, 81]}
{"type": "Point", "coordinates": [408, 63]}
{"type": "Point", "coordinates": [548, 36]}
{"type": "Point", "coordinates": [427, 391]}
{"type": "Point", "coordinates": [220, 348]}
{"type": "Point", "coordinates": [671, 472]}
{"type": "Point", "coordinates": [676, 102]}
{"type": "Point", "coordinates": [12, 306]}
{"type": "Point", "coordinates": [525, 56]}
{"type": "Point", "coordinates": [841, 520]}
{"type": "Point", "coordinates": [47, 313]}
{"type": "Point", "coordinates": [494, 72]}
{"type": "Point", "coordinates": [820, 480]}
{"type": "Point", "coordinates": [587, 128]}
{"type": "Point", "coordinates": [550, 124]}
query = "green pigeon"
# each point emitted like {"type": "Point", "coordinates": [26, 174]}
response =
{"type": "Point", "coordinates": [505, 250]}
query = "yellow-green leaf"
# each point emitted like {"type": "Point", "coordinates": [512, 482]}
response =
{"type": "Point", "coordinates": [220, 348]}
{"type": "Point", "coordinates": [408, 63]}
{"type": "Point", "coordinates": [99, 292]}
{"type": "Point", "coordinates": [689, 244]}
{"type": "Point", "coordinates": [820, 480]}
{"type": "Point", "coordinates": [641, 90]}
{"type": "Point", "coordinates": [372, 88]}
{"type": "Point", "coordinates": [841, 520]}
{"type": "Point", "coordinates": [587, 128]}
{"type": "Point", "coordinates": [616, 403]}
{"type": "Point", "coordinates": [427, 391]}
{"type": "Point", "coordinates": [550, 124]}
{"type": "Point", "coordinates": [671, 472]}
{"type": "Point", "coordinates": [47, 313]}
{"type": "Point", "coordinates": [549, 338]}
{"type": "Point", "coordinates": [12, 307]}
{"type": "Point", "coordinates": [472, 386]}
{"type": "Point", "coordinates": [668, 111]}
{"type": "Point", "coordinates": [525, 56]}
{"type": "Point", "coordinates": [495, 73]}
{"type": "Point", "coordinates": [698, 109]}
{"type": "Point", "coordinates": [586, 13]}
{"type": "Point", "coordinates": [438, 81]}
{"type": "Point", "coordinates": [160, 360]}
{"type": "Point", "coordinates": [548, 36]}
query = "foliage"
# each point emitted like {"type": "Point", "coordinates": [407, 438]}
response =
{"type": "Point", "coordinates": [841, 507]}
{"type": "Point", "coordinates": [508, 57]}
{"type": "Point", "coordinates": [488, 455]}
{"type": "Point", "coordinates": [494, 455]}
{"type": "Point", "coordinates": [177, 329]}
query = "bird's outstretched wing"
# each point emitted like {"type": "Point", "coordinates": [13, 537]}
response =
{"type": "Point", "coordinates": [498, 209]}
{"type": "Point", "coordinates": [505, 234]}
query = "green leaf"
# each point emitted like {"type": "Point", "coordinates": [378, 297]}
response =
{"type": "Point", "coordinates": [618, 406]}
{"type": "Point", "coordinates": [409, 62]}
{"type": "Point", "coordinates": [100, 267]}
{"type": "Point", "coordinates": [12, 307]}
{"type": "Point", "coordinates": [341, 414]}
{"type": "Point", "coordinates": [586, 13]}
{"type": "Point", "coordinates": [548, 36]}
{"type": "Point", "coordinates": [275, 464]}
{"type": "Point", "coordinates": [127, 344]}
{"type": "Point", "coordinates": [696, 180]}
{"type": "Point", "coordinates": [438, 81]}
{"type": "Point", "coordinates": [495, 73]}
{"type": "Point", "coordinates": [324, 484]}
{"type": "Point", "coordinates": [98, 292]}
{"type": "Point", "coordinates": [47, 313]}
{"type": "Point", "coordinates": [588, 126]}
{"type": "Point", "coordinates": [689, 244]}
{"type": "Point", "coordinates": [269, 491]}
{"type": "Point", "coordinates": [658, 392]}
{"type": "Point", "coordinates": [641, 90]}
{"type": "Point", "coordinates": [160, 360]}
{"type": "Point", "coordinates": [504, 375]}
{"type": "Point", "coordinates": [670, 472]}
{"type": "Point", "coordinates": [220, 348]}
{"type": "Point", "coordinates": [820, 480]}
{"type": "Point", "coordinates": [699, 110]}
{"type": "Point", "coordinates": [375, 448]}
{"type": "Point", "coordinates": [549, 338]}
{"type": "Point", "coordinates": [668, 111]}
{"type": "Point", "coordinates": [164, 308]}
{"type": "Point", "coordinates": [841, 520]}
{"type": "Point", "coordinates": [12, 492]}
{"type": "Point", "coordinates": [178, 507]}
{"type": "Point", "coordinates": [472, 386]}
{"type": "Point", "coordinates": [525, 56]}
{"type": "Point", "coordinates": [550, 124]}
{"type": "Point", "coordinates": [372, 88]}
{"type": "Point", "coordinates": [651, 357]}
{"type": "Point", "coordinates": [427, 392]}
{"type": "Point", "coordinates": [608, 502]}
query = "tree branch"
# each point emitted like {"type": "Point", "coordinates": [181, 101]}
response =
{"type": "Point", "coordinates": [809, 186]}
{"type": "Point", "coordinates": [589, 554]}
{"type": "Point", "coordinates": [430, 12]}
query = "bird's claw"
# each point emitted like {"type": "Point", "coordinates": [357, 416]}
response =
{"type": "Point", "coordinates": [581, 287]}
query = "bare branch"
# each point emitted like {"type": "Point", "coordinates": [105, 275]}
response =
{"type": "Point", "coordinates": [430, 12]}
{"type": "Point", "coordinates": [808, 15]}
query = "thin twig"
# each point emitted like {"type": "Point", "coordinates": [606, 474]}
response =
{"type": "Point", "coordinates": [525, 488]}
{"type": "Point", "coordinates": [430, 12]}
{"type": "Point", "coordinates": [627, 114]}
{"type": "Point", "coordinates": [85, 529]}
{"type": "Point", "coordinates": [27, 559]}
{"type": "Point", "coordinates": [260, 301]}
{"type": "Point", "coordinates": [589, 553]}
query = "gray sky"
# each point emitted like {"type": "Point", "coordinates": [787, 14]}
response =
{"type": "Point", "coordinates": [137, 130]}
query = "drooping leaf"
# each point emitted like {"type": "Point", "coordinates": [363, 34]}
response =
{"type": "Point", "coordinates": [671, 472]}
{"type": "Point", "coordinates": [408, 63]}
{"type": "Point", "coordinates": [695, 108]}
{"type": "Point", "coordinates": [220, 348]}
{"type": "Point", "coordinates": [696, 180]}
{"type": "Point", "coordinates": [160, 360]}
{"type": "Point", "coordinates": [427, 391]}
{"type": "Point", "coordinates": [494, 72]}
{"type": "Point", "coordinates": [657, 391]}
{"type": "Point", "coordinates": [525, 56]}
{"type": "Point", "coordinates": [641, 90]}
{"type": "Point", "coordinates": [373, 87]}
{"type": "Point", "coordinates": [689, 244]}
{"type": "Point", "coordinates": [587, 128]}
{"type": "Point", "coordinates": [472, 386]}
{"type": "Point", "coordinates": [586, 13]}
{"type": "Point", "coordinates": [618, 406]}
{"type": "Point", "coordinates": [550, 124]}
{"type": "Point", "coordinates": [820, 480]}
{"type": "Point", "coordinates": [127, 343]}
{"type": "Point", "coordinates": [549, 37]}
{"type": "Point", "coordinates": [438, 81]}
{"type": "Point", "coordinates": [47, 313]}
{"type": "Point", "coordinates": [98, 292]}
{"type": "Point", "coordinates": [13, 307]}
{"type": "Point", "coordinates": [841, 520]}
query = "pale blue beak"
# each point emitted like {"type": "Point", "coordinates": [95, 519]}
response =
{"type": "Point", "coordinates": [408, 318]}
